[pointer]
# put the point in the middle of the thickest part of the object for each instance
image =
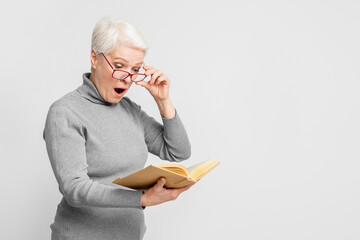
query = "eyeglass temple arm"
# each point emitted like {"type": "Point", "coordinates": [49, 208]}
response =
{"type": "Point", "coordinates": [108, 61]}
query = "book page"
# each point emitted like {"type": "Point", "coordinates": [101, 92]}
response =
{"type": "Point", "coordinates": [190, 169]}
{"type": "Point", "coordinates": [176, 168]}
{"type": "Point", "coordinates": [199, 170]}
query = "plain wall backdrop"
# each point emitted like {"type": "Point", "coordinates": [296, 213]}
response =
{"type": "Point", "coordinates": [268, 88]}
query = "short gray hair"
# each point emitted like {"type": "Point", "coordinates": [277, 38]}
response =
{"type": "Point", "coordinates": [110, 33]}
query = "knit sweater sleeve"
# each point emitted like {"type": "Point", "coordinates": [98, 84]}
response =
{"type": "Point", "coordinates": [169, 140]}
{"type": "Point", "coordinates": [65, 143]}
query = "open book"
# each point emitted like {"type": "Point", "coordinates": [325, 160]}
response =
{"type": "Point", "coordinates": [176, 175]}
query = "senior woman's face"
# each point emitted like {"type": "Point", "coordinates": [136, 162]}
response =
{"type": "Point", "coordinates": [124, 58]}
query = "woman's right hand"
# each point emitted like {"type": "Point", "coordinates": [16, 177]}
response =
{"type": "Point", "coordinates": [158, 194]}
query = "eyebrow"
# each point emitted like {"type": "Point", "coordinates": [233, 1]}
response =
{"type": "Point", "coordinates": [139, 63]}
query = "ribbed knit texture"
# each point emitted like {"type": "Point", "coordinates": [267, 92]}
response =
{"type": "Point", "coordinates": [91, 142]}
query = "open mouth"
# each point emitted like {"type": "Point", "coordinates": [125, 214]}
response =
{"type": "Point", "coordinates": [119, 91]}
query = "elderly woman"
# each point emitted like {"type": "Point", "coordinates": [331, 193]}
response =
{"type": "Point", "coordinates": [95, 134]}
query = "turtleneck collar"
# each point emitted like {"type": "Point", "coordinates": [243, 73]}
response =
{"type": "Point", "coordinates": [89, 91]}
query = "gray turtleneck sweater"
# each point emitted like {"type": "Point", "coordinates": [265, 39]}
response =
{"type": "Point", "coordinates": [91, 142]}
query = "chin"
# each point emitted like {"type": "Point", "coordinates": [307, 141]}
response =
{"type": "Point", "coordinates": [114, 100]}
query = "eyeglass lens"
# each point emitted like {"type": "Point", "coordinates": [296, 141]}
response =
{"type": "Point", "coordinates": [121, 75]}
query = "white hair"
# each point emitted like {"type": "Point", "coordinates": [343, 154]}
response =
{"type": "Point", "coordinates": [112, 33]}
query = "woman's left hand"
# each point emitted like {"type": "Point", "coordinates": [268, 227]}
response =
{"type": "Point", "coordinates": [159, 84]}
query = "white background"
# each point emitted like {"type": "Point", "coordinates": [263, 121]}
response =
{"type": "Point", "coordinates": [268, 88]}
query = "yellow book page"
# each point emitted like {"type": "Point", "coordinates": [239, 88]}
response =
{"type": "Point", "coordinates": [199, 170]}
{"type": "Point", "coordinates": [176, 168]}
{"type": "Point", "coordinates": [195, 172]}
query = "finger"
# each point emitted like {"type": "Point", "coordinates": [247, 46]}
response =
{"type": "Point", "coordinates": [150, 72]}
{"type": "Point", "coordinates": [162, 79]}
{"type": "Point", "coordinates": [183, 189]}
{"type": "Point", "coordinates": [146, 67]}
{"type": "Point", "coordinates": [175, 193]}
{"type": "Point", "coordinates": [155, 76]}
{"type": "Point", "coordinates": [160, 184]}
{"type": "Point", "coordinates": [178, 191]}
{"type": "Point", "coordinates": [143, 84]}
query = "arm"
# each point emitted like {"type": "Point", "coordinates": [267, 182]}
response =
{"type": "Point", "coordinates": [65, 142]}
{"type": "Point", "coordinates": [158, 194]}
{"type": "Point", "coordinates": [158, 87]}
{"type": "Point", "coordinates": [169, 141]}
{"type": "Point", "coordinates": [166, 108]}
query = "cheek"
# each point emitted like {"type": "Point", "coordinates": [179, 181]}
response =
{"type": "Point", "coordinates": [105, 73]}
{"type": "Point", "coordinates": [107, 80]}
{"type": "Point", "coordinates": [106, 83]}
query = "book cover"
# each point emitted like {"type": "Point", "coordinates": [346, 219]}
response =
{"type": "Point", "coordinates": [176, 175]}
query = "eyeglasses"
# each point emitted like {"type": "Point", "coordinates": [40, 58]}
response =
{"type": "Point", "coordinates": [121, 74]}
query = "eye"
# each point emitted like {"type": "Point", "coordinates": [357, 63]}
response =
{"type": "Point", "coordinates": [117, 66]}
{"type": "Point", "coordinates": [136, 70]}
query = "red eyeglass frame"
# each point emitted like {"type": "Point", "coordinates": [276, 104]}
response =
{"type": "Point", "coordinates": [142, 76]}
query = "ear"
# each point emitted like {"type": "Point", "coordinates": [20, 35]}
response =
{"type": "Point", "coordinates": [93, 59]}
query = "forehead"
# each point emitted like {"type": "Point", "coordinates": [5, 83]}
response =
{"type": "Point", "coordinates": [127, 54]}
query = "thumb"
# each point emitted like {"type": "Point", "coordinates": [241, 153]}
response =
{"type": "Point", "coordinates": [160, 183]}
{"type": "Point", "coordinates": [143, 84]}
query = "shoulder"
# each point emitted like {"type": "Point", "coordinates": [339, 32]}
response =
{"type": "Point", "coordinates": [66, 105]}
{"type": "Point", "coordinates": [62, 118]}
{"type": "Point", "coordinates": [65, 101]}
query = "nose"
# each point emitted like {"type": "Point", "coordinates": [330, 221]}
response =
{"type": "Point", "coordinates": [127, 79]}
